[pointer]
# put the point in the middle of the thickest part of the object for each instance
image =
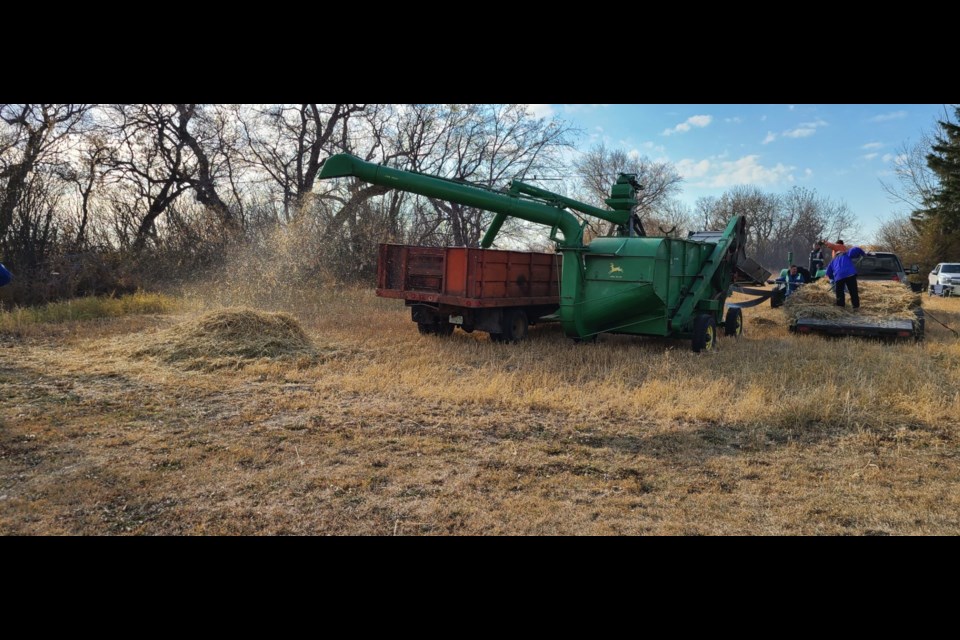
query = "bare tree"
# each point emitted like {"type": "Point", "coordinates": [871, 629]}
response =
{"type": "Point", "coordinates": [34, 138]}
{"type": "Point", "coordinates": [161, 151]}
{"type": "Point", "coordinates": [597, 171]}
{"type": "Point", "coordinates": [289, 141]}
{"type": "Point", "coordinates": [900, 236]}
{"type": "Point", "coordinates": [201, 134]}
{"type": "Point", "coordinates": [778, 223]}
{"type": "Point", "coordinates": [668, 217]}
{"type": "Point", "coordinates": [914, 182]}
{"type": "Point", "coordinates": [491, 144]}
{"type": "Point", "coordinates": [86, 176]}
{"type": "Point", "coordinates": [147, 158]}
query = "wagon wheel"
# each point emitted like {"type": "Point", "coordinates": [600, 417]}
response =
{"type": "Point", "coordinates": [515, 325]}
{"type": "Point", "coordinates": [733, 325]}
{"type": "Point", "coordinates": [704, 333]}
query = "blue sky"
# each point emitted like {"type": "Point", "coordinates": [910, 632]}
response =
{"type": "Point", "coordinates": [841, 150]}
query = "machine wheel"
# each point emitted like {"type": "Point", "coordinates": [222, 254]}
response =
{"type": "Point", "coordinates": [515, 325]}
{"type": "Point", "coordinates": [733, 324]}
{"type": "Point", "coordinates": [437, 327]}
{"type": "Point", "coordinates": [704, 333]}
{"type": "Point", "coordinates": [425, 328]}
{"type": "Point", "coordinates": [497, 337]}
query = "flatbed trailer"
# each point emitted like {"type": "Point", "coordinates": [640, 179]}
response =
{"type": "Point", "coordinates": [868, 326]}
{"type": "Point", "coordinates": [500, 292]}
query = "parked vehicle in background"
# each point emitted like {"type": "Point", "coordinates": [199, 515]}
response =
{"type": "Point", "coordinates": [882, 265]}
{"type": "Point", "coordinates": [944, 277]}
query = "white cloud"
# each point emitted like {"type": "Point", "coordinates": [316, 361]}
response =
{"type": "Point", "coordinates": [763, 118]}
{"type": "Point", "coordinates": [893, 115]}
{"type": "Point", "coordinates": [633, 154]}
{"type": "Point", "coordinates": [599, 128]}
{"type": "Point", "coordinates": [871, 156]}
{"type": "Point", "coordinates": [689, 123]}
{"type": "Point", "coordinates": [692, 169]}
{"type": "Point", "coordinates": [805, 130]}
{"type": "Point", "coordinates": [734, 119]}
{"type": "Point", "coordinates": [802, 132]}
{"type": "Point", "coordinates": [791, 107]}
{"type": "Point", "coordinates": [721, 174]}
{"type": "Point", "coordinates": [540, 110]}
{"type": "Point", "coordinates": [808, 173]}
{"type": "Point", "coordinates": [887, 157]}
{"type": "Point", "coordinates": [652, 146]}
{"type": "Point", "coordinates": [872, 145]}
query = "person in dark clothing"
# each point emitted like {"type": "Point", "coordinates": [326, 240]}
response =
{"type": "Point", "coordinates": [843, 274]}
{"type": "Point", "coordinates": [816, 258]}
{"type": "Point", "coordinates": [5, 276]}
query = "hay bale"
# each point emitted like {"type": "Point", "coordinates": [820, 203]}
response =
{"type": "Point", "coordinates": [884, 298]}
{"type": "Point", "coordinates": [230, 338]}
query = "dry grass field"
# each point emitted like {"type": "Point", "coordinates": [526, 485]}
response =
{"type": "Point", "coordinates": [375, 429]}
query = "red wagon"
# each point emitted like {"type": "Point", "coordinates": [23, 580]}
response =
{"type": "Point", "coordinates": [500, 292]}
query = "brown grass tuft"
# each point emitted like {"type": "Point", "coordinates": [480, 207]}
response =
{"type": "Point", "coordinates": [230, 338]}
{"type": "Point", "coordinates": [887, 299]}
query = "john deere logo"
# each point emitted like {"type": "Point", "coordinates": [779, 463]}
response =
{"type": "Point", "coordinates": [614, 269]}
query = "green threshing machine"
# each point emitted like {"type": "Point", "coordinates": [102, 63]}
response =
{"type": "Point", "coordinates": [627, 283]}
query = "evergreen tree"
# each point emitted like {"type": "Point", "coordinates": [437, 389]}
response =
{"type": "Point", "coordinates": [940, 218]}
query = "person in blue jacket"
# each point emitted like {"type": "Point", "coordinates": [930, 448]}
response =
{"type": "Point", "coordinates": [843, 274]}
{"type": "Point", "coordinates": [5, 276]}
{"type": "Point", "coordinates": [793, 280]}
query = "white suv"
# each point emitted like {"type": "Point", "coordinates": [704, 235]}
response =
{"type": "Point", "coordinates": [944, 278]}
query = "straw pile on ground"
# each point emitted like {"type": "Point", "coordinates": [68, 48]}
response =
{"type": "Point", "coordinates": [884, 298]}
{"type": "Point", "coordinates": [230, 338]}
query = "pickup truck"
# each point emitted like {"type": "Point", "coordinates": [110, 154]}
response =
{"type": "Point", "coordinates": [944, 279]}
{"type": "Point", "coordinates": [873, 266]}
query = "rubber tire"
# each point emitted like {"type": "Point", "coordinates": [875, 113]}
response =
{"type": "Point", "coordinates": [704, 333]}
{"type": "Point", "coordinates": [733, 323]}
{"type": "Point", "coordinates": [515, 325]}
{"type": "Point", "coordinates": [442, 329]}
{"type": "Point", "coordinates": [497, 337]}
